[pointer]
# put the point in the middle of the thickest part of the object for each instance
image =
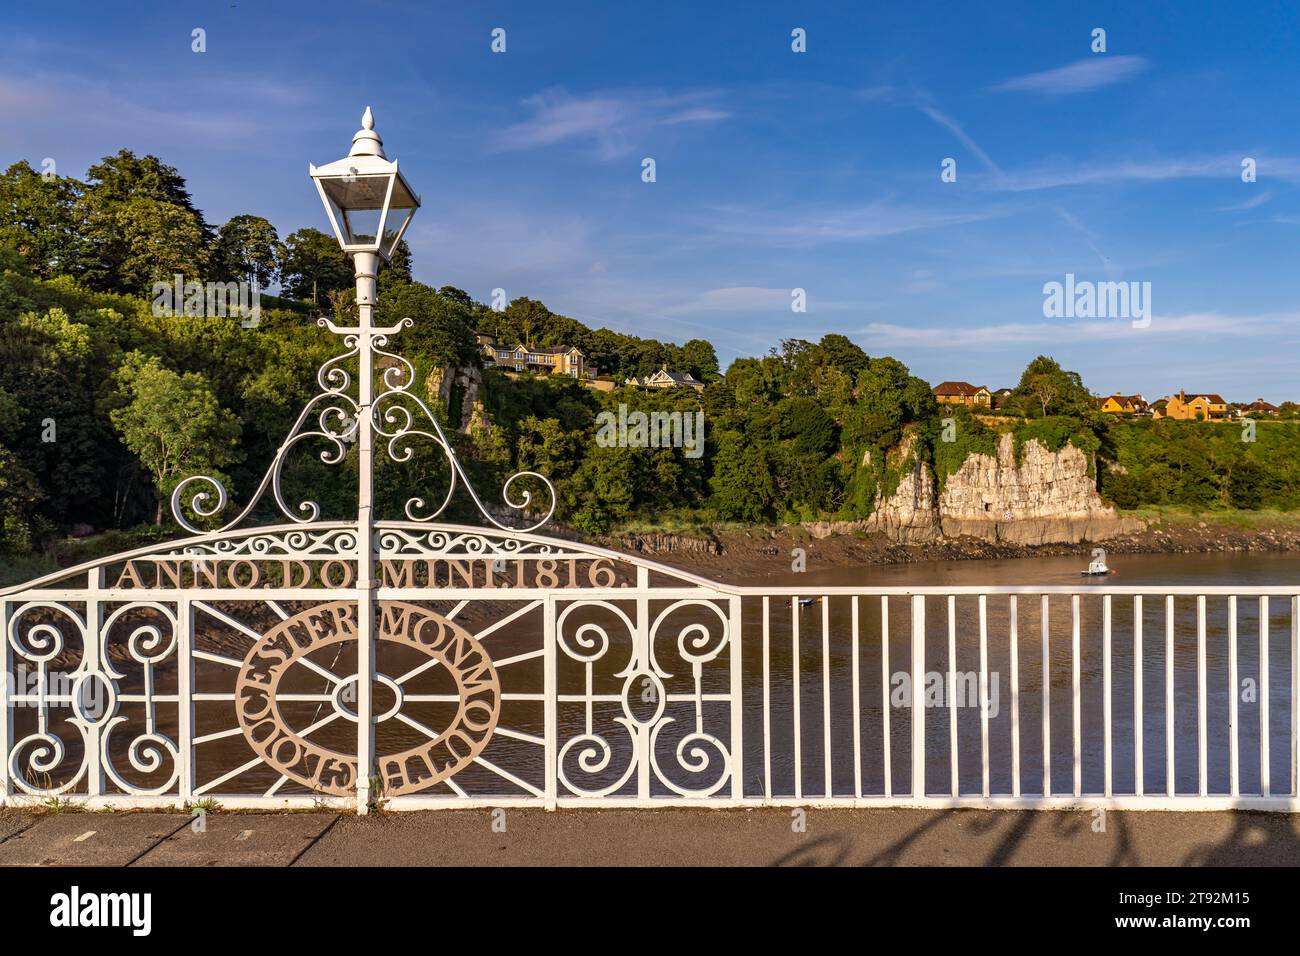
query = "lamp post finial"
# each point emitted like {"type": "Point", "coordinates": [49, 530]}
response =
{"type": "Point", "coordinates": [366, 141]}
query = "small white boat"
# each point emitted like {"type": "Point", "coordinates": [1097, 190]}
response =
{"type": "Point", "coordinates": [806, 602]}
{"type": "Point", "coordinates": [1097, 567]}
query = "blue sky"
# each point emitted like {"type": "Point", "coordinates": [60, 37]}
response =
{"type": "Point", "coordinates": [775, 170]}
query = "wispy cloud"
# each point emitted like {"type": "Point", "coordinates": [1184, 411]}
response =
{"type": "Point", "coordinates": [612, 123]}
{"type": "Point", "coordinates": [1052, 175]}
{"type": "Point", "coordinates": [950, 124]}
{"type": "Point", "coordinates": [1254, 202]}
{"type": "Point", "coordinates": [735, 299]}
{"type": "Point", "coordinates": [92, 111]}
{"type": "Point", "coordinates": [1000, 180]}
{"type": "Point", "coordinates": [1090, 238]}
{"type": "Point", "coordinates": [489, 244]}
{"type": "Point", "coordinates": [1195, 325]}
{"type": "Point", "coordinates": [876, 93]}
{"type": "Point", "coordinates": [1081, 76]}
{"type": "Point", "coordinates": [857, 223]}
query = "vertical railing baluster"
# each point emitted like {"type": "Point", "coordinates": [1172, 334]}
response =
{"type": "Point", "coordinates": [984, 690]}
{"type": "Point", "coordinates": [857, 708]}
{"type": "Point", "coordinates": [767, 697]}
{"type": "Point", "coordinates": [1015, 698]}
{"type": "Point", "coordinates": [7, 689]}
{"type": "Point", "coordinates": [736, 628]}
{"type": "Point", "coordinates": [550, 691]}
{"type": "Point", "coordinates": [1170, 783]}
{"type": "Point", "coordinates": [884, 692]}
{"type": "Point", "coordinates": [1265, 776]}
{"type": "Point", "coordinates": [1295, 695]}
{"type": "Point", "coordinates": [953, 763]}
{"type": "Point", "coordinates": [94, 662]}
{"type": "Point", "coordinates": [1137, 695]}
{"type": "Point", "coordinates": [826, 696]}
{"type": "Point", "coordinates": [644, 757]}
{"type": "Point", "coordinates": [1044, 624]}
{"type": "Point", "coordinates": [1202, 720]}
{"type": "Point", "coordinates": [1105, 693]}
{"type": "Point", "coordinates": [918, 696]}
{"type": "Point", "coordinates": [798, 726]}
{"type": "Point", "coordinates": [1234, 781]}
{"type": "Point", "coordinates": [185, 698]}
{"type": "Point", "coordinates": [1076, 693]}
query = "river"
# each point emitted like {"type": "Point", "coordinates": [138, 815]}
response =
{"type": "Point", "coordinates": [769, 701]}
{"type": "Point", "coordinates": [1155, 571]}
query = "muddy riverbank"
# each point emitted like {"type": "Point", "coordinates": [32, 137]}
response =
{"type": "Point", "coordinates": [736, 555]}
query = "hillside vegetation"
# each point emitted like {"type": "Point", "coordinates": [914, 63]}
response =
{"type": "Point", "coordinates": [108, 401]}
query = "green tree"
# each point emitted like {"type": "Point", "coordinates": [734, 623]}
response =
{"type": "Point", "coordinates": [1047, 389]}
{"type": "Point", "coordinates": [889, 389]}
{"type": "Point", "coordinates": [173, 424]}
{"type": "Point", "coordinates": [443, 331]}
{"type": "Point", "coordinates": [743, 484]}
{"type": "Point", "coordinates": [247, 249]}
{"type": "Point", "coordinates": [140, 224]}
{"type": "Point", "coordinates": [457, 295]}
{"type": "Point", "coordinates": [38, 217]}
{"type": "Point", "coordinates": [313, 265]}
{"type": "Point", "coordinates": [20, 492]}
{"type": "Point", "coordinates": [124, 176]}
{"type": "Point", "coordinates": [56, 362]}
{"type": "Point", "coordinates": [840, 352]}
{"type": "Point", "coordinates": [156, 241]}
{"type": "Point", "coordinates": [398, 268]}
{"type": "Point", "coordinates": [698, 357]}
{"type": "Point", "coordinates": [529, 318]}
{"type": "Point", "coordinates": [811, 427]}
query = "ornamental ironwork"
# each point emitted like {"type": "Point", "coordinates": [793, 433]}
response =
{"type": "Point", "coordinates": [409, 662]}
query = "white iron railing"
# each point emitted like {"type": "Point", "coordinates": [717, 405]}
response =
{"type": "Point", "coordinates": [1123, 720]}
{"type": "Point", "coordinates": [516, 669]}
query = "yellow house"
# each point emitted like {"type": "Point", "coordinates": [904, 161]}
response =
{"type": "Point", "coordinates": [565, 360]}
{"type": "Point", "coordinates": [962, 393]}
{"type": "Point", "coordinates": [1198, 407]}
{"type": "Point", "coordinates": [1118, 404]}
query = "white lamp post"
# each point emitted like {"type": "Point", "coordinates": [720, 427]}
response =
{"type": "Point", "coordinates": [367, 199]}
{"type": "Point", "coordinates": [369, 205]}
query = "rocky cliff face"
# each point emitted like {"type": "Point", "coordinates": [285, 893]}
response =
{"type": "Point", "coordinates": [908, 515]}
{"type": "Point", "coordinates": [1045, 498]}
{"type": "Point", "coordinates": [472, 415]}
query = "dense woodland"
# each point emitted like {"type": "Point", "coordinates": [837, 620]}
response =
{"type": "Point", "coordinates": [105, 405]}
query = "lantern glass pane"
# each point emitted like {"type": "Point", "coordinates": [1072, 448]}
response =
{"type": "Point", "coordinates": [358, 203]}
{"type": "Point", "coordinates": [394, 228]}
{"type": "Point", "coordinates": [360, 226]}
{"type": "Point", "coordinates": [402, 198]}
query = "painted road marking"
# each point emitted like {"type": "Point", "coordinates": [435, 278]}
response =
{"type": "Point", "coordinates": [85, 836]}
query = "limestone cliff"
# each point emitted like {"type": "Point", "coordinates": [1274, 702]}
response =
{"type": "Point", "coordinates": [908, 515]}
{"type": "Point", "coordinates": [1044, 498]}
{"type": "Point", "coordinates": [471, 414]}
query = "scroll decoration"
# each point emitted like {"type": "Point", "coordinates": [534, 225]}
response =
{"type": "Point", "coordinates": [335, 415]}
